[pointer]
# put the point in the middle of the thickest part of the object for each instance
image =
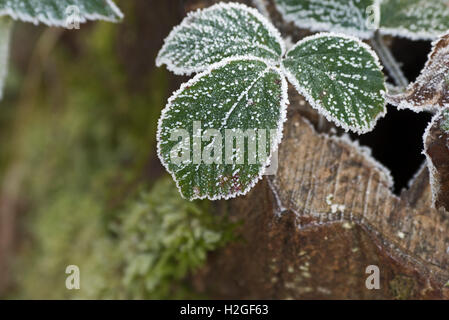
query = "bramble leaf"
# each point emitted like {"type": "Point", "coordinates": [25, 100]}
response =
{"type": "Point", "coordinates": [54, 12]}
{"type": "Point", "coordinates": [346, 16]}
{"type": "Point", "coordinates": [238, 96]}
{"type": "Point", "coordinates": [431, 88]}
{"type": "Point", "coordinates": [5, 35]}
{"type": "Point", "coordinates": [414, 19]}
{"type": "Point", "coordinates": [220, 31]}
{"type": "Point", "coordinates": [339, 76]}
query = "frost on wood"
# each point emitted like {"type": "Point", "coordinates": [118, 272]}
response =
{"type": "Point", "coordinates": [436, 149]}
{"type": "Point", "coordinates": [347, 16]}
{"type": "Point", "coordinates": [415, 19]}
{"type": "Point", "coordinates": [54, 12]}
{"type": "Point", "coordinates": [5, 35]}
{"type": "Point", "coordinates": [220, 31]}
{"type": "Point", "coordinates": [431, 88]}
{"type": "Point", "coordinates": [235, 94]}
{"type": "Point", "coordinates": [340, 77]}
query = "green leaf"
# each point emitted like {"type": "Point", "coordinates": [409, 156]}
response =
{"type": "Point", "coordinates": [55, 12]}
{"type": "Point", "coordinates": [238, 93]}
{"type": "Point", "coordinates": [5, 35]}
{"type": "Point", "coordinates": [414, 19]}
{"type": "Point", "coordinates": [346, 16]}
{"type": "Point", "coordinates": [339, 76]}
{"type": "Point", "coordinates": [224, 30]}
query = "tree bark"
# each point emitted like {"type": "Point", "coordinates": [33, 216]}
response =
{"type": "Point", "coordinates": [311, 231]}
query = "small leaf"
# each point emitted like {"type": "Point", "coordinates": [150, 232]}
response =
{"type": "Point", "coordinates": [431, 88]}
{"type": "Point", "coordinates": [5, 35]}
{"type": "Point", "coordinates": [339, 76]}
{"type": "Point", "coordinates": [346, 16]}
{"type": "Point", "coordinates": [223, 30]}
{"type": "Point", "coordinates": [414, 19]}
{"type": "Point", "coordinates": [237, 93]}
{"type": "Point", "coordinates": [54, 12]}
{"type": "Point", "coordinates": [436, 149]}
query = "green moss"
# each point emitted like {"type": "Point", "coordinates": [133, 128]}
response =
{"type": "Point", "coordinates": [87, 204]}
{"type": "Point", "coordinates": [402, 287]}
{"type": "Point", "coordinates": [164, 238]}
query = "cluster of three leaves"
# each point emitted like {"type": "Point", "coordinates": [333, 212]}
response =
{"type": "Point", "coordinates": [242, 85]}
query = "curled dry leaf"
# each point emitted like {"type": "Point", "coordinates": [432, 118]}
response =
{"type": "Point", "coordinates": [436, 149]}
{"type": "Point", "coordinates": [431, 88]}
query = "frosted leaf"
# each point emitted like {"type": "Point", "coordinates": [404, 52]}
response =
{"type": "Point", "coordinates": [237, 93]}
{"type": "Point", "coordinates": [223, 30]}
{"type": "Point", "coordinates": [431, 88]}
{"type": "Point", "coordinates": [346, 16]}
{"type": "Point", "coordinates": [414, 19]}
{"type": "Point", "coordinates": [5, 35]}
{"type": "Point", "coordinates": [54, 12]}
{"type": "Point", "coordinates": [436, 149]}
{"type": "Point", "coordinates": [339, 76]}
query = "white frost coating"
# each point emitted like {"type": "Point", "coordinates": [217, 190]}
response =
{"type": "Point", "coordinates": [434, 184]}
{"type": "Point", "coordinates": [5, 36]}
{"type": "Point", "coordinates": [50, 17]}
{"type": "Point", "coordinates": [416, 175]}
{"type": "Point", "coordinates": [335, 207]}
{"type": "Point", "coordinates": [422, 19]}
{"type": "Point", "coordinates": [404, 33]}
{"type": "Point", "coordinates": [430, 90]}
{"type": "Point", "coordinates": [274, 144]}
{"type": "Point", "coordinates": [189, 22]}
{"type": "Point", "coordinates": [343, 12]}
{"type": "Point", "coordinates": [315, 104]}
{"type": "Point", "coordinates": [280, 207]}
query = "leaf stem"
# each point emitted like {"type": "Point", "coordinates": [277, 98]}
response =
{"type": "Point", "coordinates": [389, 61]}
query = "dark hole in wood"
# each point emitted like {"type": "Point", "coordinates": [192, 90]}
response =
{"type": "Point", "coordinates": [397, 139]}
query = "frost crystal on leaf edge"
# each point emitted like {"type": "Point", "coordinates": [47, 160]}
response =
{"type": "Point", "coordinates": [231, 5]}
{"type": "Point", "coordinates": [84, 17]}
{"type": "Point", "coordinates": [274, 144]}
{"type": "Point", "coordinates": [316, 105]}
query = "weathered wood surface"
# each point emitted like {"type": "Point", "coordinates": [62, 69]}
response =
{"type": "Point", "coordinates": [312, 230]}
{"type": "Point", "coordinates": [339, 217]}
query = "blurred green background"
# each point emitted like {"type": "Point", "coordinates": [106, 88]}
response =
{"type": "Point", "coordinates": [80, 183]}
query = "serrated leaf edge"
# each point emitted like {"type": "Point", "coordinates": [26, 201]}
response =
{"type": "Point", "coordinates": [231, 5]}
{"type": "Point", "coordinates": [415, 36]}
{"type": "Point", "coordinates": [62, 23]}
{"type": "Point", "coordinates": [314, 26]}
{"type": "Point", "coordinates": [315, 104]}
{"type": "Point", "coordinates": [405, 33]}
{"type": "Point", "coordinates": [274, 145]}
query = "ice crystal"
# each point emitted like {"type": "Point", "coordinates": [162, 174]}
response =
{"type": "Point", "coordinates": [341, 77]}
{"type": "Point", "coordinates": [220, 31]}
{"type": "Point", "coordinates": [54, 12]}
{"type": "Point", "coordinates": [346, 16]}
{"type": "Point", "coordinates": [237, 93]}
{"type": "Point", "coordinates": [243, 87]}
{"type": "Point", "coordinates": [415, 19]}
